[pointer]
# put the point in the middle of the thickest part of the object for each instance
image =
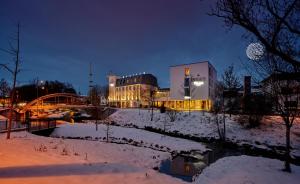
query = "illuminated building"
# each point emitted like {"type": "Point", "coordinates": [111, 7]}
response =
{"type": "Point", "coordinates": [192, 88]}
{"type": "Point", "coordinates": [131, 91]}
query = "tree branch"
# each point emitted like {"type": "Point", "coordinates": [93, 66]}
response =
{"type": "Point", "coordinates": [6, 68]}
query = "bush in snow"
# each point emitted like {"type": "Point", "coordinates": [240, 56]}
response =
{"type": "Point", "coordinates": [65, 151]}
{"type": "Point", "coordinates": [41, 148]}
{"type": "Point", "coordinates": [172, 114]}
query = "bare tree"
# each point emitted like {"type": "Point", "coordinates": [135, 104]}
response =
{"type": "Point", "coordinates": [218, 111]}
{"type": "Point", "coordinates": [148, 96]}
{"type": "Point", "coordinates": [15, 52]}
{"type": "Point", "coordinates": [108, 130]}
{"type": "Point", "coordinates": [276, 25]}
{"type": "Point", "coordinates": [285, 90]}
{"type": "Point", "coordinates": [231, 86]}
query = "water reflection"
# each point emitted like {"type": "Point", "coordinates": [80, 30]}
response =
{"type": "Point", "coordinates": [185, 166]}
{"type": "Point", "coordinates": [188, 166]}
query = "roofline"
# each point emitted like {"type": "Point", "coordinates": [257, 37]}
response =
{"type": "Point", "coordinates": [191, 63]}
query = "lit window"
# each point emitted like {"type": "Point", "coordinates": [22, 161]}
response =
{"type": "Point", "coordinates": [198, 83]}
{"type": "Point", "coordinates": [186, 71]}
{"type": "Point", "coordinates": [187, 168]}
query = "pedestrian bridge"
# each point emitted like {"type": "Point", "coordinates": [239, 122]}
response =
{"type": "Point", "coordinates": [55, 101]}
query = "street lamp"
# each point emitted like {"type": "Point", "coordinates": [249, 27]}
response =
{"type": "Point", "coordinates": [38, 83]}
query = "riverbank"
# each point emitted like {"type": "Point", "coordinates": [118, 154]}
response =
{"type": "Point", "coordinates": [269, 136]}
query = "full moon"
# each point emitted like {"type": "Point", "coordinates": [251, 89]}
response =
{"type": "Point", "coordinates": [255, 51]}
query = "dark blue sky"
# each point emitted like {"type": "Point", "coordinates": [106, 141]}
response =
{"type": "Point", "coordinates": [60, 37]}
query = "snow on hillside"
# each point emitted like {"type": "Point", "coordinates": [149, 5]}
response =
{"type": "Point", "coordinates": [33, 159]}
{"type": "Point", "coordinates": [248, 170]}
{"type": "Point", "coordinates": [144, 138]}
{"type": "Point", "coordinates": [270, 133]}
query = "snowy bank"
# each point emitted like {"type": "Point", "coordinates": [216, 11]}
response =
{"type": "Point", "coordinates": [271, 132]}
{"type": "Point", "coordinates": [248, 170]}
{"type": "Point", "coordinates": [123, 134]}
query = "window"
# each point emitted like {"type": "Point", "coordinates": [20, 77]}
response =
{"type": "Point", "coordinates": [187, 82]}
{"type": "Point", "coordinates": [186, 71]}
{"type": "Point", "coordinates": [187, 92]}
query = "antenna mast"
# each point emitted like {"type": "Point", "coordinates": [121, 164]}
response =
{"type": "Point", "coordinates": [91, 83]}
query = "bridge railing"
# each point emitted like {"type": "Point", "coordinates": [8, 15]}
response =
{"type": "Point", "coordinates": [14, 127]}
{"type": "Point", "coordinates": [38, 125]}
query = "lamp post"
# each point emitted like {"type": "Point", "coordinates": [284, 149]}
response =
{"type": "Point", "coordinates": [37, 93]}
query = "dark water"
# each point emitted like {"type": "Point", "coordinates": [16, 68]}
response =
{"type": "Point", "coordinates": [187, 166]}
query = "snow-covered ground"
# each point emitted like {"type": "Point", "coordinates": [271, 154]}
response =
{"type": "Point", "coordinates": [33, 159]}
{"type": "Point", "coordinates": [127, 135]}
{"type": "Point", "coordinates": [248, 170]}
{"type": "Point", "coordinates": [270, 133]}
{"type": "Point", "coordinates": [29, 159]}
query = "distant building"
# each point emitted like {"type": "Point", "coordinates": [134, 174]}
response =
{"type": "Point", "coordinates": [4, 101]}
{"type": "Point", "coordinates": [131, 91]}
{"type": "Point", "coordinates": [285, 87]}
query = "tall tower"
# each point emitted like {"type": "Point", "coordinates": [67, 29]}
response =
{"type": "Point", "coordinates": [91, 83]}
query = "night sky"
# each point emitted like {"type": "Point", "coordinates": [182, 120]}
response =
{"type": "Point", "coordinates": [59, 38]}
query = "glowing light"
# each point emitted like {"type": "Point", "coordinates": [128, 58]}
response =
{"type": "Point", "coordinates": [255, 51]}
{"type": "Point", "coordinates": [111, 84]}
{"type": "Point", "coordinates": [187, 97]}
{"type": "Point", "coordinates": [198, 83]}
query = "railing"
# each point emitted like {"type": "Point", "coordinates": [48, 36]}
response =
{"type": "Point", "coordinates": [38, 125]}
{"type": "Point", "coordinates": [15, 126]}
{"type": "Point", "coordinates": [33, 126]}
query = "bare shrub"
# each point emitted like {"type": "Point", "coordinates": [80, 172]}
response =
{"type": "Point", "coordinates": [172, 114]}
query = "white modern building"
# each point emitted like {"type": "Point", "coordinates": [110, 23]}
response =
{"type": "Point", "coordinates": [192, 86]}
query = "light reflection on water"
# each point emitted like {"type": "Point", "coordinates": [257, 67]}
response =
{"type": "Point", "coordinates": [188, 166]}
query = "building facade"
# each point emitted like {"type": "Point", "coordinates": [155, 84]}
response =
{"type": "Point", "coordinates": [132, 91]}
{"type": "Point", "coordinates": [192, 87]}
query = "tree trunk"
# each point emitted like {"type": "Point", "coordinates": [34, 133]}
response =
{"type": "Point", "coordinates": [12, 97]}
{"type": "Point", "coordinates": [287, 166]}
{"type": "Point", "coordinates": [224, 127]}
{"type": "Point", "coordinates": [10, 116]}
{"type": "Point", "coordinates": [151, 111]}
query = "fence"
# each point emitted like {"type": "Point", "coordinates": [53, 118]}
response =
{"type": "Point", "coordinates": [14, 126]}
